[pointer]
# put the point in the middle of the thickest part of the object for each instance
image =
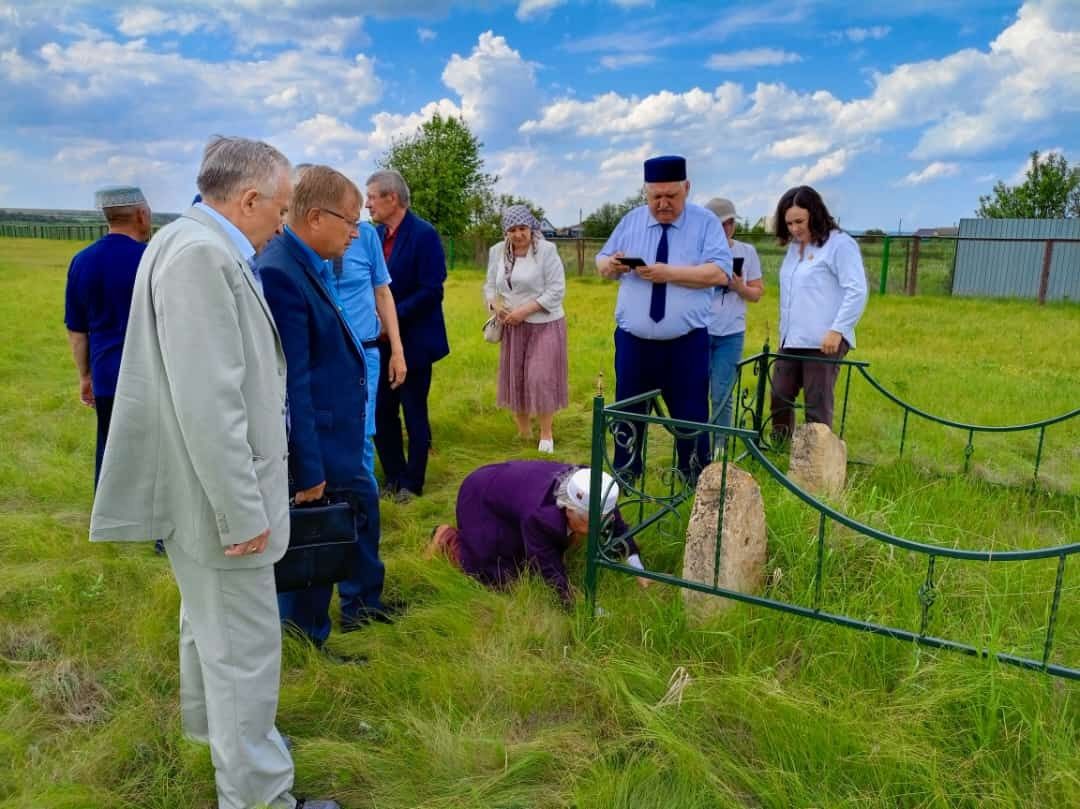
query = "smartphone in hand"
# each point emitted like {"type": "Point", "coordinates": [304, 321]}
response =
{"type": "Point", "coordinates": [631, 261]}
{"type": "Point", "coordinates": [736, 265]}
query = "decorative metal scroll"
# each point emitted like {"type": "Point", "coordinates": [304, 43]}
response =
{"type": "Point", "coordinates": [657, 500]}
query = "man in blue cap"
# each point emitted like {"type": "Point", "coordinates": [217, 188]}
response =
{"type": "Point", "coordinates": [664, 306]}
{"type": "Point", "coordinates": [98, 297]}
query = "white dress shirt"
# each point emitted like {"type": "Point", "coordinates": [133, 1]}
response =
{"type": "Point", "coordinates": [824, 290]}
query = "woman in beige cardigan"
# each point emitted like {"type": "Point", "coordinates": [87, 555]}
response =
{"type": "Point", "coordinates": [525, 288]}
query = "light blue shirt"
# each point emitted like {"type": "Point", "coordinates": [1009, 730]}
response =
{"type": "Point", "coordinates": [236, 236]}
{"type": "Point", "coordinates": [696, 237]}
{"type": "Point", "coordinates": [362, 271]}
{"type": "Point", "coordinates": [824, 290]}
{"type": "Point", "coordinates": [729, 309]}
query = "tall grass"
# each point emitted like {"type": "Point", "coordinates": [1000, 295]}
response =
{"type": "Point", "coordinates": [482, 699]}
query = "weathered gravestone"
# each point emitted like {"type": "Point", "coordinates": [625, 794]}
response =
{"type": "Point", "coordinates": [742, 542]}
{"type": "Point", "coordinates": [818, 460]}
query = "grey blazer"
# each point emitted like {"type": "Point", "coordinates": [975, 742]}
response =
{"type": "Point", "coordinates": [196, 452]}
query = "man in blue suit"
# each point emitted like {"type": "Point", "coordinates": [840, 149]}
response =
{"type": "Point", "coordinates": [327, 387]}
{"type": "Point", "coordinates": [417, 265]}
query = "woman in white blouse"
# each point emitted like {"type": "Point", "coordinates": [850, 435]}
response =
{"type": "Point", "coordinates": [822, 296]}
{"type": "Point", "coordinates": [525, 287]}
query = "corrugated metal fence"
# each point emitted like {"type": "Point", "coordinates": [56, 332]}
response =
{"type": "Point", "coordinates": [1018, 258]}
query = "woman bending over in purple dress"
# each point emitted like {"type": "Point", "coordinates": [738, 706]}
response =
{"type": "Point", "coordinates": [524, 515]}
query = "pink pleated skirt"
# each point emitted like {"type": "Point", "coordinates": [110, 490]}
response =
{"type": "Point", "coordinates": [533, 375]}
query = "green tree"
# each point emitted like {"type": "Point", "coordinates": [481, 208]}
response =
{"type": "Point", "coordinates": [1050, 190]}
{"type": "Point", "coordinates": [600, 223]}
{"type": "Point", "coordinates": [441, 163]}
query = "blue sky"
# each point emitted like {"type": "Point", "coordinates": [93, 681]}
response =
{"type": "Point", "coordinates": [892, 110]}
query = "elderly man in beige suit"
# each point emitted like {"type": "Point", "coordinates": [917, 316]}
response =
{"type": "Point", "coordinates": [197, 457]}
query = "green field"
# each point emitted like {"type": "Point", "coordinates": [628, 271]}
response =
{"type": "Point", "coordinates": [482, 699]}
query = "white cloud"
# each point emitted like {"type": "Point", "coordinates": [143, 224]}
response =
{"type": "Point", "coordinates": [275, 24]}
{"type": "Point", "coordinates": [84, 74]}
{"type": "Point", "coordinates": [425, 34]}
{"type": "Point", "coordinates": [389, 126]}
{"type": "Point", "coordinates": [934, 171]}
{"type": "Point", "coordinates": [528, 9]}
{"type": "Point", "coordinates": [754, 57]}
{"type": "Point", "coordinates": [1031, 73]}
{"type": "Point", "coordinates": [497, 87]}
{"type": "Point", "coordinates": [612, 114]}
{"type": "Point", "coordinates": [621, 60]}
{"type": "Point", "coordinates": [283, 26]}
{"type": "Point", "coordinates": [863, 34]}
{"type": "Point", "coordinates": [627, 162]}
{"type": "Point", "coordinates": [828, 166]}
{"type": "Point", "coordinates": [145, 21]}
{"type": "Point", "coordinates": [796, 146]}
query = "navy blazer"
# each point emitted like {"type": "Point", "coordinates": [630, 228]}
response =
{"type": "Point", "coordinates": [326, 378]}
{"type": "Point", "coordinates": [417, 272]}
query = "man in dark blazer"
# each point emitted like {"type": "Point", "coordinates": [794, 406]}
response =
{"type": "Point", "coordinates": [417, 266]}
{"type": "Point", "coordinates": [327, 388]}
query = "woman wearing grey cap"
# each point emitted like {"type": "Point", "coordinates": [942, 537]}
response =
{"type": "Point", "coordinates": [727, 329]}
{"type": "Point", "coordinates": [525, 287]}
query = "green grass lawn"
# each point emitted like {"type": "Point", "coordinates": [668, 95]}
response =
{"type": "Point", "coordinates": [482, 699]}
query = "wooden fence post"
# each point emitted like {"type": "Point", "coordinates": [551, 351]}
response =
{"type": "Point", "coordinates": [1044, 278]}
{"type": "Point", "coordinates": [580, 256]}
{"type": "Point", "coordinates": [913, 271]}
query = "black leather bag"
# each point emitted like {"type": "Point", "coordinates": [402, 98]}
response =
{"type": "Point", "coordinates": [322, 544]}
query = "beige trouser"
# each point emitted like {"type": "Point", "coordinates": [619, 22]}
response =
{"type": "Point", "coordinates": [230, 673]}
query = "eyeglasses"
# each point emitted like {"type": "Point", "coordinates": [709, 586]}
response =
{"type": "Point", "coordinates": [352, 223]}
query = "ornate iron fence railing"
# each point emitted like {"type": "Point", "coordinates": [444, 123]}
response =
{"type": "Point", "coordinates": [750, 406]}
{"type": "Point", "coordinates": [672, 489]}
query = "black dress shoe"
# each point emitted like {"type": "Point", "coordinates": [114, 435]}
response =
{"type": "Point", "coordinates": [381, 616]}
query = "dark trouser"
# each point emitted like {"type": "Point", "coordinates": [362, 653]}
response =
{"type": "Point", "coordinates": [816, 379]}
{"type": "Point", "coordinates": [103, 407]}
{"type": "Point", "coordinates": [361, 593]}
{"type": "Point", "coordinates": [680, 369]}
{"type": "Point", "coordinates": [410, 399]}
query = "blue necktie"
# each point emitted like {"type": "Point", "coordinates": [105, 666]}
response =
{"type": "Point", "coordinates": [659, 291]}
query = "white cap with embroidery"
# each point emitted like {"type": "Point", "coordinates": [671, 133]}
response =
{"type": "Point", "coordinates": [577, 490]}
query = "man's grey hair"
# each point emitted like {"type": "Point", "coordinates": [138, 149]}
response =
{"type": "Point", "coordinates": [388, 181]}
{"type": "Point", "coordinates": [231, 166]}
{"type": "Point", "coordinates": [298, 171]}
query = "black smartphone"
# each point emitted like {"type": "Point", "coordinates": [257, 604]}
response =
{"type": "Point", "coordinates": [631, 261]}
{"type": "Point", "coordinates": [736, 265]}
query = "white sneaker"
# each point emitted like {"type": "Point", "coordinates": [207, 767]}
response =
{"type": "Point", "coordinates": [547, 445]}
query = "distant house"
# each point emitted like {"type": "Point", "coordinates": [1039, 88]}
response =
{"type": "Point", "coordinates": [573, 232]}
{"type": "Point", "coordinates": [546, 228]}
{"type": "Point", "coordinates": [929, 233]}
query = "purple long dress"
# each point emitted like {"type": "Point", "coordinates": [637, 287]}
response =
{"type": "Point", "coordinates": [508, 521]}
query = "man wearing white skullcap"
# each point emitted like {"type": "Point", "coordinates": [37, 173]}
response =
{"type": "Point", "coordinates": [98, 297]}
{"type": "Point", "coordinates": [524, 515]}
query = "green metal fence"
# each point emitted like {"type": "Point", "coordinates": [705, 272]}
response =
{"type": "Point", "coordinates": [750, 412]}
{"type": "Point", "coordinates": [75, 232]}
{"type": "Point", "coordinates": [646, 503]}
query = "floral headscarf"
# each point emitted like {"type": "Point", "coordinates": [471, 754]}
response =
{"type": "Point", "coordinates": [512, 217]}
